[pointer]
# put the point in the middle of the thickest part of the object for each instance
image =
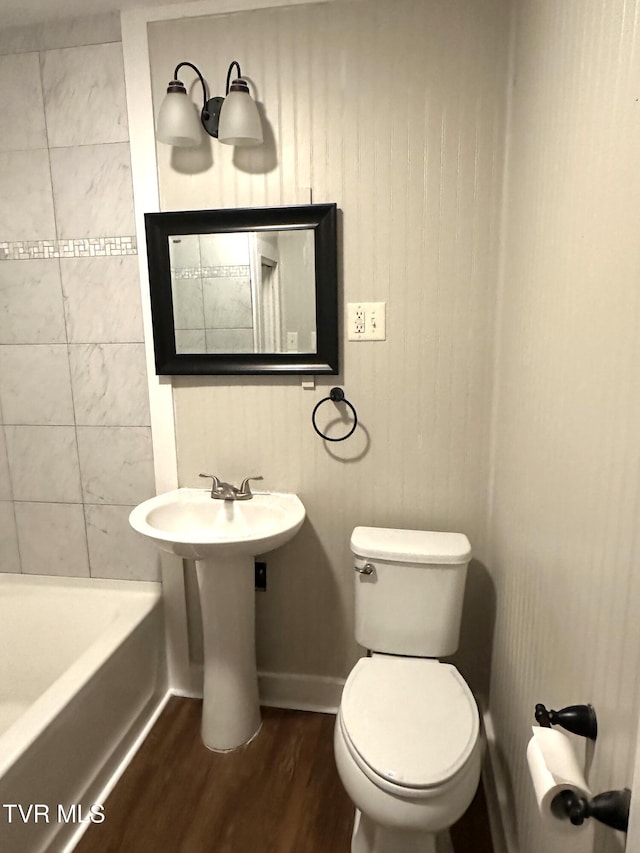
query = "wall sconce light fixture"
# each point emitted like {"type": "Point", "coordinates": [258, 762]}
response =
{"type": "Point", "coordinates": [233, 119]}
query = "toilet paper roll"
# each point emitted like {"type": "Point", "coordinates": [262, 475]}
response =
{"type": "Point", "coordinates": [554, 767]}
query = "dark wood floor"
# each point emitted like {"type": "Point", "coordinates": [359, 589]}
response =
{"type": "Point", "coordinates": [279, 794]}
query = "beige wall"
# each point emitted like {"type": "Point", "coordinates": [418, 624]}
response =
{"type": "Point", "coordinates": [522, 432]}
{"type": "Point", "coordinates": [565, 543]}
{"type": "Point", "coordinates": [297, 257]}
{"type": "Point", "coordinates": [395, 112]}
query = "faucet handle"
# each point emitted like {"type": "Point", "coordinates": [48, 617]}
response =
{"type": "Point", "coordinates": [245, 488]}
{"type": "Point", "coordinates": [215, 484]}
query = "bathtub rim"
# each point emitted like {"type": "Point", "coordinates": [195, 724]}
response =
{"type": "Point", "coordinates": [24, 731]}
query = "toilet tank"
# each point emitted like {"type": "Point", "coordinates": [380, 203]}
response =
{"type": "Point", "coordinates": [410, 603]}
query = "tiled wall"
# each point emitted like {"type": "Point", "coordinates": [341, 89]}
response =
{"type": "Point", "coordinates": [75, 442]}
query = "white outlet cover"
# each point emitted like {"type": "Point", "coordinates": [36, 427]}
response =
{"type": "Point", "coordinates": [366, 321]}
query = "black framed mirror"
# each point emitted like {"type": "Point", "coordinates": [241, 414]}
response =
{"type": "Point", "coordinates": [244, 290]}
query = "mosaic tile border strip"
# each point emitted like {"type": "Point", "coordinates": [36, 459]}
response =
{"type": "Point", "coordinates": [84, 247]}
{"type": "Point", "coordinates": [211, 272]}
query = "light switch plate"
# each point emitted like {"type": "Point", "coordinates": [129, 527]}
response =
{"type": "Point", "coordinates": [366, 321]}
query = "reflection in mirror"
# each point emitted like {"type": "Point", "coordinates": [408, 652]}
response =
{"type": "Point", "coordinates": [244, 292]}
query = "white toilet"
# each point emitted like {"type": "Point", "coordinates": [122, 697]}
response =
{"type": "Point", "coordinates": [407, 740]}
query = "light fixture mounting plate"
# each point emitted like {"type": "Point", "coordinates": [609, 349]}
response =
{"type": "Point", "coordinates": [210, 116]}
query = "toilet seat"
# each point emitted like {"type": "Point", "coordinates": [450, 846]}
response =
{"type": "Point", "coordinates": [411, 724]}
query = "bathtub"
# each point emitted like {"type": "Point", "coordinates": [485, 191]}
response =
{"type": "Point", "coordinates": [82, 675]}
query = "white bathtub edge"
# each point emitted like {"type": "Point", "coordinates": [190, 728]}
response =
{"type": "Point", "coordinates": [83, 582]}
{"type": "Point", "coordinates": [48, 706]}
{"type": "Point", "coordinates": [71, 844]}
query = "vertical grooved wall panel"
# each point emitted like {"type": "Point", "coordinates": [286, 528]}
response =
{"type": "Point", "coordinates": [370, 105]}
{"type": "Point", "coordinates": [565, 546]}
{"type": "Point", "coordinates": [396, 112]}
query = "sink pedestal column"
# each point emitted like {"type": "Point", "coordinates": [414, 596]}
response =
{"type": "Point", "coordinates": [231, 708]}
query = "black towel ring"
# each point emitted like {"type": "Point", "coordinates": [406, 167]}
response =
{"type": "Point", "coordinates": [336, 395]}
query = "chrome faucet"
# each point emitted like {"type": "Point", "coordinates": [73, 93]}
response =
{"type": "Point", "coordinates": [221, 491]}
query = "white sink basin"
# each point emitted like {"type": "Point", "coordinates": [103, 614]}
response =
{"type": "Point", "coordinates": [223, 537]}
{"type": "Point", "coordinates": [189, 523]}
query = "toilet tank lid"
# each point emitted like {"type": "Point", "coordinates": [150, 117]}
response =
{"type": "Point", "coordinates": [410, 546]}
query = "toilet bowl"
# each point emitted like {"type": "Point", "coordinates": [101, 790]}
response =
{"type": "Point", "coordinates": [407, 750]}
{"type": "Point", "coordinates": [406, 739]}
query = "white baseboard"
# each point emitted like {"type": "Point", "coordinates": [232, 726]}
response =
{"type": "Point", "coordinates": [301, 692]}
{"type": "Point", "coordinates": [320, 693]}
{"type": "Point", "coordinates": [496, 790]}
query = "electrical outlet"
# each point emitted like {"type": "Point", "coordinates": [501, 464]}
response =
{"type": "Point", "coordinates": [366, 321]}
{"type": "Point", "coordinates": [292, 342]}
{"type": "Point", "coordinates": [260, 575]}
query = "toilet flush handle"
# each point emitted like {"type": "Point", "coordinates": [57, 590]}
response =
{"type": "Point", "coordinates": [367, 569]}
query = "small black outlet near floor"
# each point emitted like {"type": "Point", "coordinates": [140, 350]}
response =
{"type": "Point", "coordinates": [261, 576]}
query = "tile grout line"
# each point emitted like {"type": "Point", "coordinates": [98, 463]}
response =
{"type": "Point", "coordinates": [64, 316]}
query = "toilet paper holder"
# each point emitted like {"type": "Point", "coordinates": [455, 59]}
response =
{"type": "Point", "coordinates": [578, 719]}
{"type": "Point", "coordinates": [610, 808]}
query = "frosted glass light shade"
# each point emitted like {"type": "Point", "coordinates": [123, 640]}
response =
{"type": "Point", "coordinates": [178, 122]}
{"type": "Point", "coordinates": [239, 119]}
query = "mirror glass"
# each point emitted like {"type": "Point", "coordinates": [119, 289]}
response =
{"type": "Point", "coordinates": [247, 290]}
{"type": "Point", "coordinates": [244, 292]}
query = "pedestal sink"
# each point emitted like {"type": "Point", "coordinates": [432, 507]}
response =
{"type": "Point", "coordinates": [223, 537]}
